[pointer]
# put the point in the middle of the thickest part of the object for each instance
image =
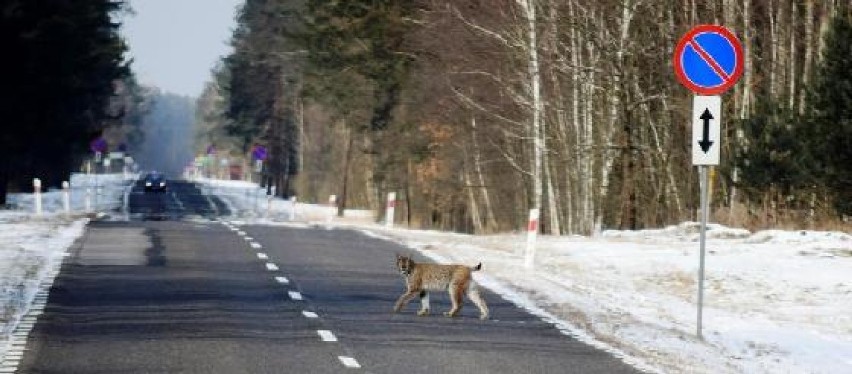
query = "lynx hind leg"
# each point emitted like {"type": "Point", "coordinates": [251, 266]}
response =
{"type": "Point", "coordinates": [424, 304]}
{"type": "Point", "coordinates": [473, 295]}
{"type": "Point", "coordinates": [456, 294]}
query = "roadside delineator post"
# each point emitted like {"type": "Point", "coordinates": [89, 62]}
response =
{"type": "Point", "coordinates": [293, 208]}
{"type": "Point", "coordinates": [66, 197]}
{"type": "Point", "coordinates": [88, 200]}
{"type": "Point", "coordinates": [332, 203]}
{"type": "Point", "coordinates": [532, 232]}
{"type": "Point", "coordinates": [269, 201]}
{"type": "Point", "coordinates": [390, 209]}
{"type": "Point", "coordinates": [37, 195]}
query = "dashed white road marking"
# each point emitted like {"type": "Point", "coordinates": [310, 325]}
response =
{"type": "Point", "coordinates": [308, 314]}
{"type": "Point", "coordinates": [326, 336]}
{"type": "Point", "coordinates": [349, 362]}
{"type": "Point", "coordinates": [248, 238]}
{"type": "Point", "coordinates": [262, 256]}
{"type": "Point", "coordinates": [255, 245]}
{"type": "Point", "coordinates": [282, 280]}
{"type": "Point", "coordinates": [295, 295]}
{"type": "Point", "coordinates": [271, 267]}
{"type": "Point", "coordinates": [241, 233]}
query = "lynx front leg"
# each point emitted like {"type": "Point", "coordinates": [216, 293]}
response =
{"type": "Point", "coordinates": [404, 299]}
{"type": "Point", "coordinates": [424, 304]}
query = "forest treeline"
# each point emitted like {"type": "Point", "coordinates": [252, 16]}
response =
{"type": "Point", "coordinates": [65, 80]}
{"type": "Point", "coordinates": [473, 111]}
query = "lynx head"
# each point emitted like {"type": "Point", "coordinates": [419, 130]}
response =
{"type": "Point", "coordinates": [404, 264]}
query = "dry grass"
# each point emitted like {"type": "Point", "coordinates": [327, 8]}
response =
{"type": "Point", "coordinates": [782, 219]}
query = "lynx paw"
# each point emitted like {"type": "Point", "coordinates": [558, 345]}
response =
{"type": "Point", "coordinates": [449, 314]}
{"type": "Point", "coordinates": [424, 312]}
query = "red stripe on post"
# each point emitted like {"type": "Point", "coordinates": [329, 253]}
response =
{"type": "Point", "coordinates": [533, 225]}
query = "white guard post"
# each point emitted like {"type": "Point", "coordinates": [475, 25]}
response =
{"type": "Point", "coordinates": [332, 204]}
{"type": "Point", "coordinates": [390, 209]}
{"type": "Point", "coordinates": [37, 195]}
{"type": "Point", "coordinates": [293, 208]}
{"type": "Point", "coordinates": [269, 202]}
{"type": "Point", "coordinates": [532, 231]}
{"type": "Point", "coordinates": [66, 197]}
{"type": "Point", "coordinates": [257, 192]}
{"type": "Point", "coordinates": [87, 204]}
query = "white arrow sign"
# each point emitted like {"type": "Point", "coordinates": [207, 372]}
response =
{"type": "Point", "coordinates": [706, 130]}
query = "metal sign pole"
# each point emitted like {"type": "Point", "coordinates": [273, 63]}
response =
{"type": "Point", "coordinates": [704, 181]}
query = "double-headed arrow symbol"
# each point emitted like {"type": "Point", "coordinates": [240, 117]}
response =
{"type": "Point", "coordinates": [705, 141]}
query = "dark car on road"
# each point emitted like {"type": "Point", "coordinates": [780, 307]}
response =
{"type": "Point", "coordinates": [155, 182]}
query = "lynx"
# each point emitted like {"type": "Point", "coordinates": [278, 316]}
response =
{"type": "Point", "coordinates": [421, 278]}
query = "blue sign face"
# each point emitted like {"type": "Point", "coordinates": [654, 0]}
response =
{"type": "Point", "coordinates": [708, 60]}
{"type": "Point", "coordinates": [259, 152]}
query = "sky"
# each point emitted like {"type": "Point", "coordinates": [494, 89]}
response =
{"type": "Point", "coordinates": [175, 43]}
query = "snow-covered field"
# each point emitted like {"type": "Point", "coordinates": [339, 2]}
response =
{"type": "Point", "coordinates": [775, 301]}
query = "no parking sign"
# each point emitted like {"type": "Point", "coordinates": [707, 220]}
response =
{"type": "Point", "coordinates": [708, 59]}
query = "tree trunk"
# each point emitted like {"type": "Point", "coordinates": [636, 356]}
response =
{"type": "Point", "coordinates": [347, 162]}
{"type": "Point", "coordinates": [490, 220]}
{"type": "Point", "coordinates": [537, 128]}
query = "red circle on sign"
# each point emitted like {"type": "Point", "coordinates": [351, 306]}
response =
{"type": "Point", "coordinates": [728, 80]}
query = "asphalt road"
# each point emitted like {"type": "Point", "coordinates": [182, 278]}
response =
{"type": "Point", "coordinates": [178, 290]}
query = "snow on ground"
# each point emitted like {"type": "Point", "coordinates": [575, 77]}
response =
{"type": "Point", "coordinates": [31, 244]}
{"type": "Point", "coordinates": [775, 301]}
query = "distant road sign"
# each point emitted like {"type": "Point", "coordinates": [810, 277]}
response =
{"type": "Point", "coordinates": [98, 145]}
{"type": "Point", "coordinates": [706, 130]}
{"type": "Point", "coordinates": [258, 152]}
{"type": "Point", "coordinates": [708, 59]}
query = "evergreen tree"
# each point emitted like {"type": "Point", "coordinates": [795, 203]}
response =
{"type": "Point", "coordinates": [61, 61]}
{"type": "Point", "coordinates": [773, 161]}
{"type": "Point", "coordinates": [830, 131]}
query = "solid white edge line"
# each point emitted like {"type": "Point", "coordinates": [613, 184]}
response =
{"type": "Point", "coordinates": [327, 336]}
{"type": "Point", "coordinates": [349, 362]}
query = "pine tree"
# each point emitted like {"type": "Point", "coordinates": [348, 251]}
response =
{"type": "Point", "coordinates": [830, 131]}
{"type": "Point", "coordinates": [61, 62]}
